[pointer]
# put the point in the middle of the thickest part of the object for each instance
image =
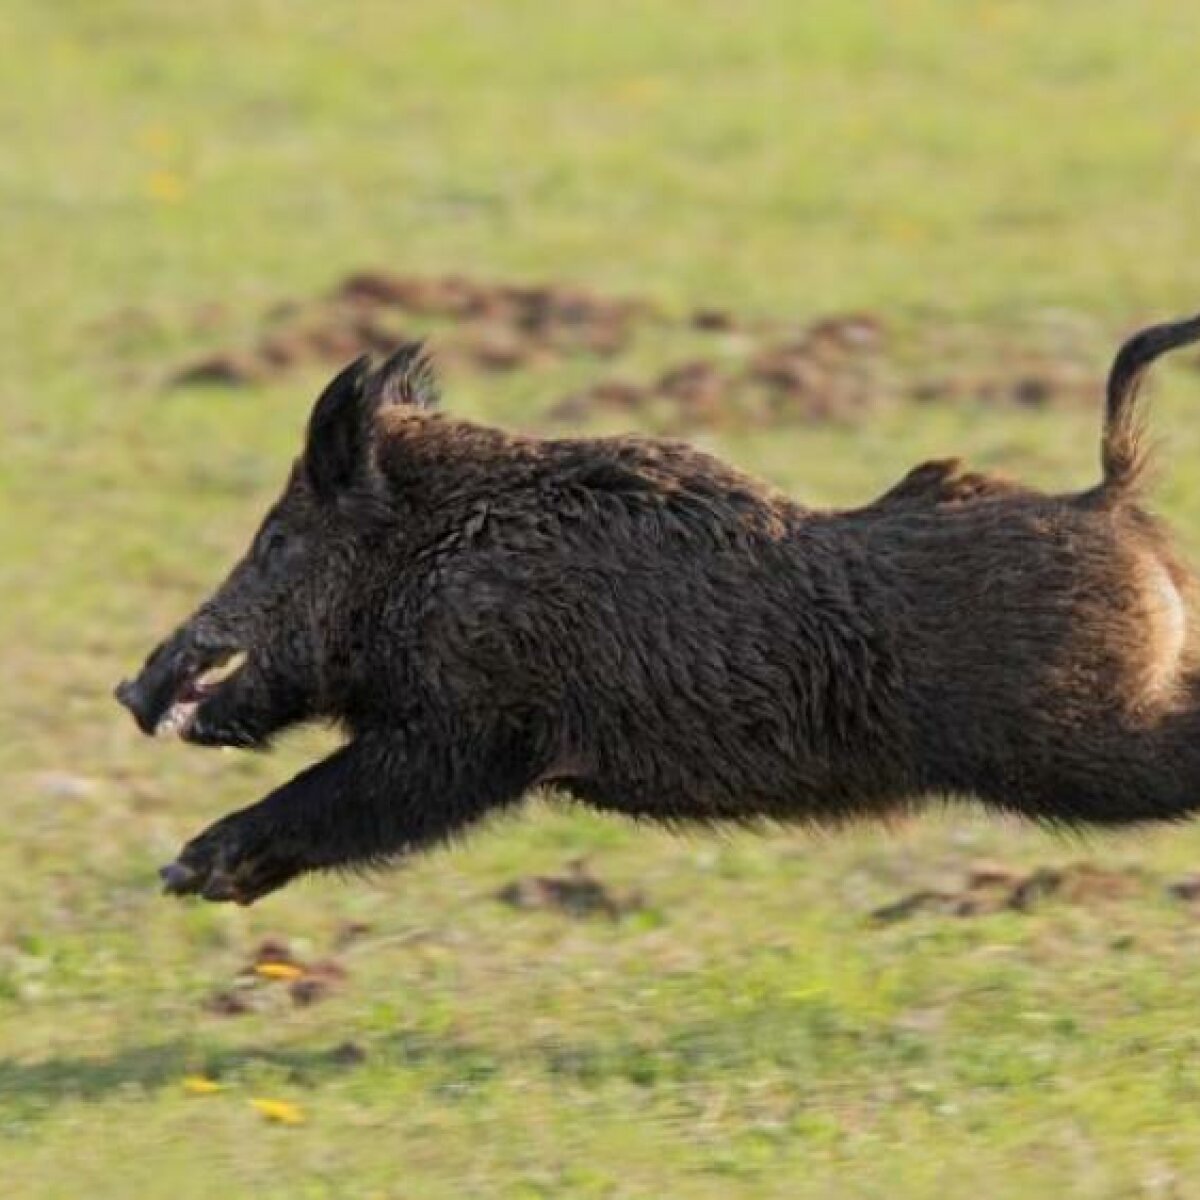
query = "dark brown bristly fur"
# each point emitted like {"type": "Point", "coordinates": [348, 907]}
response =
{"type": "Point", "coordinates": [647, 630]}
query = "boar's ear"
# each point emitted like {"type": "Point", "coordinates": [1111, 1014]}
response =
{"type": "Point", "coordinates": [337, 430]}
{"type": "Point", "coordinates": [405, 377]}
{"type": "Point", "coordinates": [341, 426]}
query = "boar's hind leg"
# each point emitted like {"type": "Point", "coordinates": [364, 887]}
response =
{"type": "Point", "coordinates": [379, 797]}
{"type": "Point", "coordinates": [940, 482]}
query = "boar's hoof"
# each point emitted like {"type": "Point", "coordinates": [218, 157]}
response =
{"type": "Point", "coordinates": [220, 887]}
{"type": "Point", "coordinates": [228, 862]}
{"type": "Point", "coordinates": [179, 879]}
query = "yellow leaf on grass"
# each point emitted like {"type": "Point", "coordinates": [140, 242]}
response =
{"type": "Point", "coordinates": [278, 970]}
{"type": "Point", "coordinates": [164, 186]}
{"type": "Point", "coordinates": [200, 1085]}
{"type": "Point", "coordinates": [282, 1112]}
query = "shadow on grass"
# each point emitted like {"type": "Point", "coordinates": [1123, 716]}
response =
{"type": "Point", "coordinates": [34, 1088]}
{"type": "Point", "coordinates": [790, 1038]}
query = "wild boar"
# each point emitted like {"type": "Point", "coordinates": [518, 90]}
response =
{"type": "Point", "coordinates": [636, 625]}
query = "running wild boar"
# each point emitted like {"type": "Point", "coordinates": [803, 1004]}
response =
{"type": "Point", "coordinates": [646, 630]}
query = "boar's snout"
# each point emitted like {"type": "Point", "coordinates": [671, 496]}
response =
{"type": "Point", "coordinates": [170, 678]}
{"type": "Point", "coordinates": [133, 697]}
{"type": "Point", "coordinates": [149, 696]}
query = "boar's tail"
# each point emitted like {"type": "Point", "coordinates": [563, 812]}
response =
{"type": "Point", "coordinates": [1122, 449]}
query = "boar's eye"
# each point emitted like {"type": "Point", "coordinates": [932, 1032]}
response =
{"type": "Point", "coordinates": [275, 546]}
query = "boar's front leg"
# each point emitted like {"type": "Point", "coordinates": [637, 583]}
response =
{"type": "Point", "coordinates": [377, 798]}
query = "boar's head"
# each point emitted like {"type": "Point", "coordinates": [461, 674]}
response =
{"type": "Point", "coordinates": [272, 646]}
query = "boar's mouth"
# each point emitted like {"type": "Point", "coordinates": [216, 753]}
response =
{"type": "Point", "coordinates": [194, 689]}
{"type": "Point", "coordinates": [166, 696]}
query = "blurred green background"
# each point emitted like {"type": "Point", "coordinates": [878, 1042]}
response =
{"type": "Point", "coordinates": [985, 179]}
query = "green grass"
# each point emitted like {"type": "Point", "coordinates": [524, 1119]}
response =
{"type": "Point", "coordinates": [751, 1033]}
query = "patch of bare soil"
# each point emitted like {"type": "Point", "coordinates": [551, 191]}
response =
{"type": "Point", "coordinates": [838, 369]}
{"type": "Point", "coordinates": [991, 888]}
{"type": "Point", "coordinates": [832, 370]}
{"type": "Point", "coordinates": [578, 893]}
{"type": "Point", "coordinates": [492, 326]}
{"type": "Point", "coordinates": [742, 371]}
{"type": "Point", "coordinates": [1026, 382]}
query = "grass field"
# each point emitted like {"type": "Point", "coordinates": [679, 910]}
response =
{"type": "Point", "coordinates": [750, 1031]}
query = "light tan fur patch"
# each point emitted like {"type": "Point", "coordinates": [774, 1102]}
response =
{"type": "Point", "coordinates": [1168, 620]}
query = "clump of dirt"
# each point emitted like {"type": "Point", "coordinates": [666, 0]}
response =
{"type": "Point", "coordinates": [714, 320]}
{"type": "Point", "coordinates": [1186, 888]}
{"type": "Point", "coordinates": [270, 951]}
{"type": "Point", "coordinates": [274, 963]}
{"type": "Point", "coordinates": [577, 893]}
{"type": "Point", "coordinates": [990, 888]}
{"type": "Point", "coordinates": [832, 371]}
{"type": "Point", "coordinates": [318, 981]}
{"type": "Point", "coordinates": [698, 389]}
{"type": "Point", "coordinates": [229, 1002]}
{"type": "Point", "coordinates": [221, 370]}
